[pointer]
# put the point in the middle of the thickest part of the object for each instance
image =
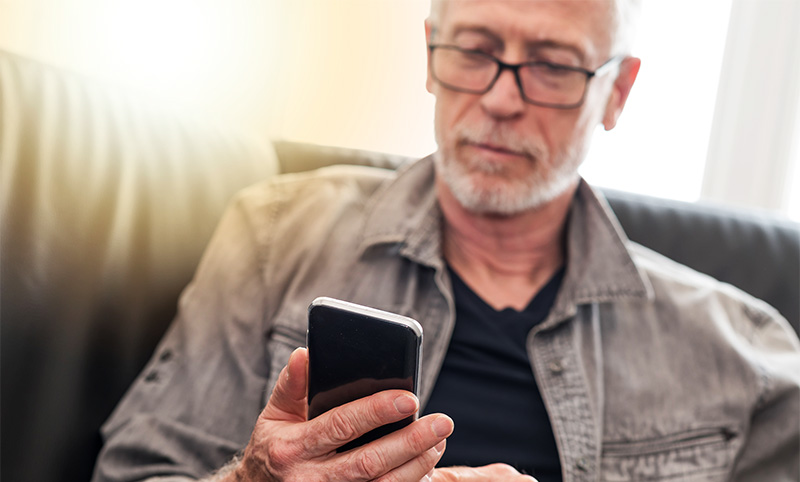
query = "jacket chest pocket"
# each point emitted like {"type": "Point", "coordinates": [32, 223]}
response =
{"type": "Point", "coordinates": [704, 454]}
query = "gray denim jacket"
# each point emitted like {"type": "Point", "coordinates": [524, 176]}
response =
{"type": "Point", "coordinates": [649, 370]}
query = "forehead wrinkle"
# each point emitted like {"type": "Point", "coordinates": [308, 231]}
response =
{"type": "Point", "coordinates": [574, 25]}
{"type": "Point", "coordinates": [531, 47]}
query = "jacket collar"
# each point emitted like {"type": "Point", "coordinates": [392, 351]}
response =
{"type": "Point", "coordinates": [599, 265]}
{"type": "Point", "coordinates": [405, 212]}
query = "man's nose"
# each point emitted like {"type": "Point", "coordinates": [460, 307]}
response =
{"type": "Point", "coordinates": [504, 100]}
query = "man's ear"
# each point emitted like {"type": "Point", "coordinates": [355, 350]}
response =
{"type": "Point", "coordinates": [628, 70]}
{"type": "Point", "coordinates": [428, 36]}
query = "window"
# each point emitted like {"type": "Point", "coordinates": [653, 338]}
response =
{"type": "Point", "coordinates": [793, 201]}
{"type": "Point", "coordinates": [750, 156]}
{"type": "Point", "coordinates": [660, 143]}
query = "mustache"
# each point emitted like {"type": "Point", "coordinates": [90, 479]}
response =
{"type": "Point", "coordinates": [498, 135]}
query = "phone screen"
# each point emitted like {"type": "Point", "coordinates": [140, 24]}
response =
{"type": "Point", "coordinates": [355, 351]}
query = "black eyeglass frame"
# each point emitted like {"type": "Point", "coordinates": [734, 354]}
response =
{"type": "Point", "coordinates": [514, 68]}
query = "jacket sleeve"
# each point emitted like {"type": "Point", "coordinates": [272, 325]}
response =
{"type": "Point", "coordinates": [771, 450]}
{"type": "Point", "coordinates": [194, 405]}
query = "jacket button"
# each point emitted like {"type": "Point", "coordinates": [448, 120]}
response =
{"type": "Point", "coordinates": [556, 367]}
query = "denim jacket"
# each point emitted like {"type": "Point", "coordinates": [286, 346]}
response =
{"type": "Point", "coordinates": [649, 370]}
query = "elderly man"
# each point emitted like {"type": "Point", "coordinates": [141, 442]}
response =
{"type": "Point", "coordinates": [555, 347]}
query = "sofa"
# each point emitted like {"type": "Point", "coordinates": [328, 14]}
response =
{"type": "Point", "coordinates": [108, 200]}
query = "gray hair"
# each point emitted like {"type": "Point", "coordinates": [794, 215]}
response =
{"type": "Point", "coordinates": [626, 18]}
{"type": "Point", "coordinates": [625, 24]}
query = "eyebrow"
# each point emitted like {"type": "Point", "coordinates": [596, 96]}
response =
{"type": "Point", "coordinates": [530, 46]}
{"type": "Point", "coordinates": [481, 30]}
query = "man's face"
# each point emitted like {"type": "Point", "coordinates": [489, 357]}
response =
{"type": "Point", "coordinates": [498, 154]}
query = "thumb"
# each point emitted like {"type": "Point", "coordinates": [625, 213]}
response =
{"type": "Point", "coordinates": [289, 398]}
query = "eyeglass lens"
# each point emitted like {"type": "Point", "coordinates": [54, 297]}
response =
{"type": "Point", "coordinates": [475, 73]}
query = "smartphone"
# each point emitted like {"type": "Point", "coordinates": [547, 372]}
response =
{"type": "Point", "coordinates": [355, 351]}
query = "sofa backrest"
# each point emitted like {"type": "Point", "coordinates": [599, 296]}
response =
{"type": "Point", "coordinates": [108, 201]}
{"type": "Point", "coordinates": [758, 253]}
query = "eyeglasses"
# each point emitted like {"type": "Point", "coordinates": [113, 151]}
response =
{"type": "Point", "coordinates": [540, 83]}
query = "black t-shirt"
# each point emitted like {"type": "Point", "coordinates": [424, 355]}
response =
{"type": "Point", "coordinates": [486, 385]}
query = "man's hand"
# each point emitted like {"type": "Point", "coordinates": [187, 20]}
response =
{"type": "Point", "coordinates": [286, 446]}
{"type": "Point", "coordinates": [503, 472]}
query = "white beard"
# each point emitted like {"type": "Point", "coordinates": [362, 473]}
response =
{"type": "Point", "coordinates": [484, 188]}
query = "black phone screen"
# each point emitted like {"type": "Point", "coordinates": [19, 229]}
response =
{"type": "Point", "coordinates": [356, 351]}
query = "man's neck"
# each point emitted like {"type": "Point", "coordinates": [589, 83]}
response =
{"type": "Point", "coordinates": [506, 260]}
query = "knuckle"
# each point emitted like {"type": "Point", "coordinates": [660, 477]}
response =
{"type": "Point", "coordinates": [340, 427]}
{"type": "Point", "coordinates": [369, 465]}
{"type": "Point", "coordinates": [426, 462]}
{"type": "Point", "coordinates": [372, 412]}
{"type": "Point", "coordinates": [282, 455]}
{"type": "Point", "coordinates": [416, 440]}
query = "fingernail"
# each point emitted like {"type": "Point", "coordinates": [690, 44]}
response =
{"type": "Point", "coordinates": [442, 426]}
{"type": "Point", "coordinates": [440, 447]}
{"type": "Point", "coordinates": [405, 404]}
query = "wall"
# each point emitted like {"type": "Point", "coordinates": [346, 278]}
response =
{"type": "Point", "coordinates": [346, 73]}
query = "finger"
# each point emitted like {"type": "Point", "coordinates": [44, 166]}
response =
{"type": "Point", "coordinates": [288, 399]}
{"type": "Point", "coordinates": [345, 423]}
{"type": "Point", "coordinates": [419, 468]}
{"type": "Point", "coordinates": [397, 449]}
{"type": "Point", "coordinates": [480, 474]}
